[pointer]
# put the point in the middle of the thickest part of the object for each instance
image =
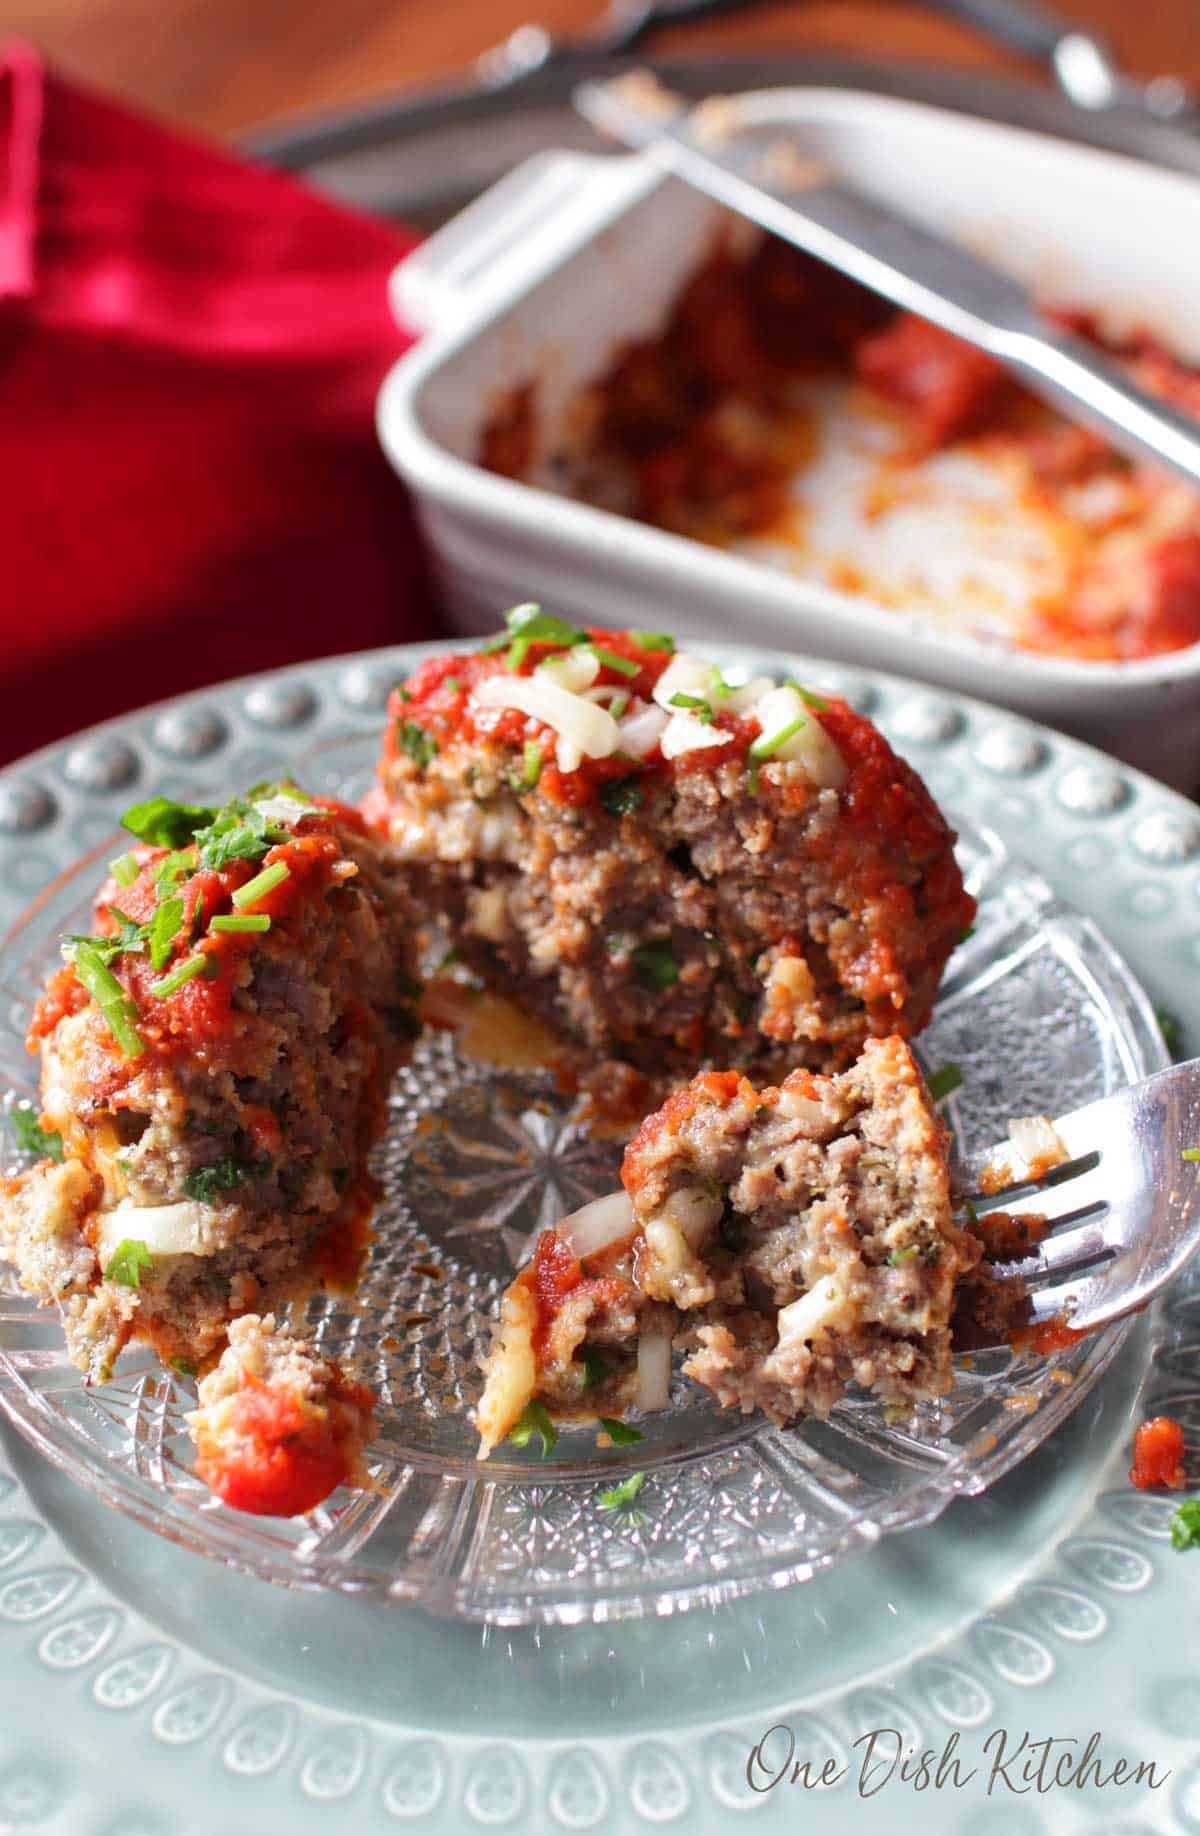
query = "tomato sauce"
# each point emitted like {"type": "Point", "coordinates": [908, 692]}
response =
{"type": "Point", "coordinates": [1158, 1450]}
{"type": "Point", "coordinates": [281, 1459]}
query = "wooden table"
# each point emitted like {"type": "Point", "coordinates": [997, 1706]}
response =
{"type": "Point", "coordinates": [226, 66]}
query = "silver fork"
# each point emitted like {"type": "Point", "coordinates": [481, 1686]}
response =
{"type": "Point", "coordinates": [1131, 1201]}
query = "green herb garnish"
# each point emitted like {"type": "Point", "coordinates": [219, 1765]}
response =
{"type": "Point", "coordinates": [46, 1143]}
{"type": "Point", "coordinates": [534, 1419]}
{"type": "Point", "coordinates": [124, 869]}
{"type": "Point", "coordinates": [968, 931]}
{"type": "Point", "coordinates": [806, 695]}
{"type": "Point", "coordinates": [695, 705]}
{"type": "Point", "coordinates": [531, 769]}
{"type": "Point", "coordinates": [653, 640]}
{"type": "Point", "coordinates": [528, 625]}
{"type": "Point", "coordinates": [118, 1010]}
{"type": "Point", "coordinates": [163, 929]}
{"type": "Point", "coordinates": [235, 922]}
{"type": "Point", "coordinates": [621, 1434]}
{"type": "Point", "coordinates": [1170, 1028]}
{"type": "Point", "coordinates": [898, 1257]}
{"type": "Point", "coordinates": [420, 746]}
{"type": "Point", "coordinates": [621, 796]}
{"type": "Point", "coordinates": [166, 824]}
{"type": "Point", "coordinates": [1185, 1525]}
{"type": "Point", "coordinates": [608, 659]}
{"type": "Point", "coordinates": [201, 963]}
{"type": "Point", "coordinates": [768, 744]}
{"type": "Point", "coordinates": [618, 705]}
{"type": "Point", "coordinates": [219, 1176]}
{"type": "Point", "coordinates": [618, 1496]}
{"type": "Point", "coordinates": [942, 1081]}
{"type": "Point", "coordinates": [452, 685]}
{"type": "Point", "coordinates": [654, 964]}
{"type": "Point", "coordinates": [595, 1370]}
{"type": "Point", "coordinates": [127, 1262]}
{"type": "Point", "coordinates": [183, 1367]}
{"type": "Point", "coordinates": [262, 884]}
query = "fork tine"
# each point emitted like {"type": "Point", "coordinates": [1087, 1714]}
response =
{"type": "Point", "coordinates": [1085, 1188]}
{"type": "Point", "coordinates": [1069, 1249]}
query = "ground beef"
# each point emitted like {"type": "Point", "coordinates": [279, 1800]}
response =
{"type": "Point", "coordinates": [797, 1239]}
{"type": "Point", "coordinates": [214, 1162]}
{"type": "Point", "coordinates": [672, 913]}
{"type": "Point", "coordinates": [278, 1427]}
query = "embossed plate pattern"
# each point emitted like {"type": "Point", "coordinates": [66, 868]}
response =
{"type": "Point", "coordinates": [1106, 838]}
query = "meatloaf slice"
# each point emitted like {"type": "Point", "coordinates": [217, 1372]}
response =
{"type": "Point", "coordinates": [797, 1239]}
{"type": "Point", "coordinates": [215, 1058]}
{"type": "Point", "coordinates": [278, 1426]}
{"type": "Point", "coordinates": [670, 869]}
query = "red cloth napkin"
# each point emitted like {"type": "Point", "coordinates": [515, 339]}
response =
{"type": "Point", "coordinates": [190, 485]}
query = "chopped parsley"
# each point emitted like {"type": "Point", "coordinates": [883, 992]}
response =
{"type": "Point", "coordinates": [594, 1369]}
{"type": "Point", "coordinates": [32, 1138]}
{"type": "Point", "coordinates": [1185, 1525]}
{"type": "Point", "coordinates": [420, 746]}
{"type": "Point", "coordinates": [654, 640]}
{"type": "Point", "coordinates": [608, 659]}
{"type": "Point", "coordinates": [531, 769]}
{"type": "Point", "coordinates": [654, 964]}
{"type": "Point", "coordinates": [943, 1081]}
{"type": "Point", "coordinates": [621, 1434]}
{"type": "Point", "coordinates": [1170, 1028]}
{"type": "Point", "coordinates": [124, 869]}
{"type": "Point", "coordinates": [621, 796]}
{"type": "Point", "coordinates": [534, 1419]}
{"type": "Point", "coordinates": [619, 1496]}
{"type": "Point", "coordinates": [219, 1176]}
{"type": "Point", "coordinates": [163, 929]}
{"type": "Point", "coordinates": [128, 937]}
{"type": "Point", "coordinates": [127, 1261]}
{"type": "Point", "coordinates": [166, 824]}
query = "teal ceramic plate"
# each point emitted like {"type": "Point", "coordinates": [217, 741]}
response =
{"type": "Point", "coordinates": [147, 1689]}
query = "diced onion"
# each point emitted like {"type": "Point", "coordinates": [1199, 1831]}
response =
{"type": "Point", "coordinates": [606, 1220]}
{"type": "Point", "coordinates": [804, 1109]}
{"type": "Point", "coordinates": [814, 1313]}
{"type": "Point", "coordinates": [166, 1230]}
{"type": "Point", "coordinates": [641, 729]}
{"type": "Point", "coordinates": [572, 670]}
{"type": "Point", "coordinates": [653, 1371]}
{"type": "Point", "coordinates": [684, 675]}
{"type": "Point", "coordinates": [809, 745]}
{"type": "Point", "coordinates": [285, 810]}
{"type": "Point", "coordinates": [684, 733]}
{"type": "Point", "coordinates": [740, 700]}
{"type": "Point", "coordinates": [587, 731]}
{"type": "Point", "coordinates": [695, 1212]}
{"type": "Point", "coordinates": [1038, 1142]}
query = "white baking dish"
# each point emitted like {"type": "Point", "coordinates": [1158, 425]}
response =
{"type": "Point", "coordinates": [570, 257]}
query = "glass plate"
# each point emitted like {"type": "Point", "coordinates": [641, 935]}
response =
{"type": "Point", "coordinates": [1039, 1013]}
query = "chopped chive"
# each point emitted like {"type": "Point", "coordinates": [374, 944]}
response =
{"type": "Point", "coordinates": [943, 1081]}
{"type": "Point", "coordinates": [124, 869]}
{"type": "Point", "coordinates": [109, 996]}
{"type": "Point", "coordinates": [621, 1434]}
{"type": "Point", "coordinates": [618, 705]}
{"type": "Point", "coordinates": [531, 769]}
{"type": "Point", "coordinates": [768, 744]}
{"type": "Point", "coordinates": [241, 921]}
{"type": "Point", "coordinates": [420, 746]}
{"type": "Point", "coordinates": [262, 883]}
{"type": "Point", "coordinates": [608, 659]}
{"type": "Point", "coordinates": [186, 971]}
{"type": "Point", "coordinates": [898, 1257]}
{"type": "Point", "coordinates": [452, 685]}
{"type": "Point", "coordinates": [653, 640]}
{"type": "Point", "coordinates": [752, 780]}
{"type": "Point", "coordinates": [807, 696]}
{"type": "Point", "coordinates": [528, 625]}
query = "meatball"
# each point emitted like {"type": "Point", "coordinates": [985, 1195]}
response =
{"type": "Point", "coordinates": [796, 1239]}
{"type": "Point", "coordinates": [278, 1427]}
{"type": "Point", "coordinates": [671, 870]}
{"type": "Point", "coordinates": [215, 1058]}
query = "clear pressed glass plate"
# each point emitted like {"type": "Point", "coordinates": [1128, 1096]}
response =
{"type": "Point", "coordinates": [1037, 1011]}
